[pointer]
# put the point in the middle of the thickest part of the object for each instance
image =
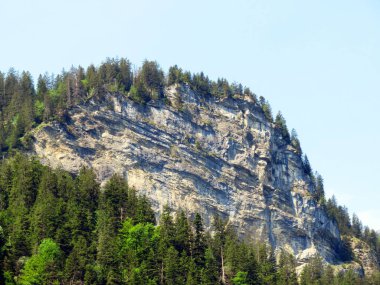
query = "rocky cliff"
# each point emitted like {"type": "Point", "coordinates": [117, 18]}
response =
{"type": "Point", "coordinates": [201, 154]}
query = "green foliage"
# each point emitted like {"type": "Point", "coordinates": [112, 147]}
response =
{"type": "Point", "coordinates": [266, 108]}
{"type": "Point", "coordinates": [44, 266]}
{"type": "Point", "coordinates": [357, 226]}
{"type": "Point", "coordinates": [201, 84]}
{"type": "Point", "coordinates": [199, 245]}
{"type": "Point", "coordinates": [317, 273]}
{"type": "Point", "coordinates": [221, 88]}
{"type": "Point", "coordinates": [176, 75]}
{"type": "Point", "coordinates": [280, 125]}
{"type": "Point", "coordinates": [26, 106]}
{"type": "Point", "coordinates": [138, 93]}
{"type": "Point", "coordinates": [240, 278]}
{"type": "Point", "coordinates": [148, 84]}
{"type": "Point", "coordinates": [109, 236]}
{"type": "Point", "coordinates": [348, 227]}
{"type": "Point", "coordinates": [267, 273]}
{"type": "Point", "coordinates": [295, 142]}
{"type": "Point", "coordinates": [2, 251]}
{"type": "Point", "coordinates": [306, 166]}
{"type": "Point", "coordinates": [319, 193]}
{"type": "Point", "coordinates": [39, 110]}
{"type": "Point", "coordinates": [340, 215]}
{"type": "Point", "coordinates": [287, 269]}
{"type": "Point", "coordinates": [138, 250]}
{"type": "Point", "coordinates": [312, 273]}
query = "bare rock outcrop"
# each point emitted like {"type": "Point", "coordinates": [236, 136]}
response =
{"type": "Point", "coordinates": [203, 155]}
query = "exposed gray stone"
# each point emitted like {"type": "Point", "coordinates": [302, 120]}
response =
{"type": "Point", "coordinates": [202, 155]}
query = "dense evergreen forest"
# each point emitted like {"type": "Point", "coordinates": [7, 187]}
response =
{"type": "Point", "coordinates": [59, 229]}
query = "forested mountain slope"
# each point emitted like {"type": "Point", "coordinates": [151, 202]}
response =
{"type": "Point", "coordinates": [185, 141]}
{"type": "Point", "coordinates": [60, 229]}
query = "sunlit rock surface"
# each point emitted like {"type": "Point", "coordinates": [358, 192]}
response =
{"type": "Point", "coordinates": [203, 155]}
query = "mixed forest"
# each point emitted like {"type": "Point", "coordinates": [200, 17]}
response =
{"type": "Point", "coordinates": [56, 228]}
{"type": "Point", "coordinates": [60, 229]}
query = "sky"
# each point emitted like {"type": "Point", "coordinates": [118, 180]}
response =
{"type": "Point", "coordinates": [316, 61]}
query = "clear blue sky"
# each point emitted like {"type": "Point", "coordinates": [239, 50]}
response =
{"type": "Point", "coordinates": [316, 61]}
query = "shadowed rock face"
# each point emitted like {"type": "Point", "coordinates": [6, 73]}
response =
{"type": "Point", "coordinates": [203, 155]}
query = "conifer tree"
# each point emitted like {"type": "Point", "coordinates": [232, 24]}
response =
{"type": "Point", "coordinates": [210, 272]}
{"type": "Point", "coordinates": [287, 269]}
{"type": "Point", "coordinates": [328, 277]}
{"type": "Point", "coordinates": [294, 141]}
{"type": "Point", "coordinates": [306, 165]}
{"type": "Point", "coordinates": [319, 194]}
{"type": "Point", "coordinates": [171, 261]}
{"type": "Point", "coordinates": [357, 226]}
{"type": "Point", "coordinates": [126, 76]}
{"type": "Point", "coordinates": [267, 110]}
{"type": "Point", "coordinates": [267, 273]}
{"type": "Point", "coordinates": [45, 219]}
{"type": "Point", "coordinates": [2, 253]}
{"type": "Point", "coordinates": [111, 214]}
{"type": "Point", "coordinates": [199, 246]}
{"type": "Point", "coordinates": [218, 245]}
{"type": "Point", "coordinates": [280, 124]}
{"type": "Point", "coordinates": [175, 75]}
{"type": "Point", "coordinates": [183, 235]}
{"type": "Point", "coordinates": [23, 182]}
{"type": "Point", "coordinates": [144, 212]}
{"type": "Point", "coordinates": [312, 272]}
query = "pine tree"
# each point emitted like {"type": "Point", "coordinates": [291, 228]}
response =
{"type": "Point", "coordinates": [111, 214]}
{"type": "Point", "coordinates": [24, 179]}
{"type": "Point", "coordinates": [183, 235]}
{"type": "Point", "coordinates": [306, 165]}
{"type": "Point", "coordinates": [84, 204]}
{"type": "Point", "coordinates": [144, 212]}
{"type": "Point", "coordinates": [11, 85]}
{"type": "Point", "coordinates": [2, 253]}
{"type": "Point", "coordinates": [328, 277]}
{"type": "Point", "coordinates": [45, 219]}
{"type": "Point", "coordinates": [295, 142]}
{"type": "Point", "coordinates": [92, 78]}
{"type": "Point", "coordinates": [287, 269]}
{"type": "Point", "coordinates": [167, 233]}
{"type": "Point", "coordinates": [201, 84]}
{"type": "Point", "coordinates": [267, 273]}
{"type": "Point", "coordinates": [280, 125]}
{"type": "Point", "coordinates": [267, 110]}
{"type": "Point", "coordinates": [210, 272]}
{"type": "Point", "coordinates": [312, 272]}
{"type": "Point", "coordinates": [171, 262]}
{"type": "Point", "coordinates": [175, 75]}
{"type": "Point", "coordinates": [199, 245]}
{"type": "Point", "coordinates": [152, 78]}
{"type": "Point", "coordinates": [357, 226]}
{"type": "Point", "coordinates": [319, 194]}
{"type": "Point", "coordinates": [218, 245]}
{"type": "Point", "coordinates": [77, 260]}
{"type": "Point", "coordinates": [2, 90]}
{"type": "Point", "coordinates": [125, 74]}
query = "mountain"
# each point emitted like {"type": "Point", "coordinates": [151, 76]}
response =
{"type": "Point", "coordinates": [200, 154]}
{"type": "Point", "coordinates": [185, 141]}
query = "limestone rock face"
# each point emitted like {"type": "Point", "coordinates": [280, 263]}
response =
{"type": "Point", "coordinates": [205, 155]}
{"type": "Point", "coordinates": [365, 255]}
